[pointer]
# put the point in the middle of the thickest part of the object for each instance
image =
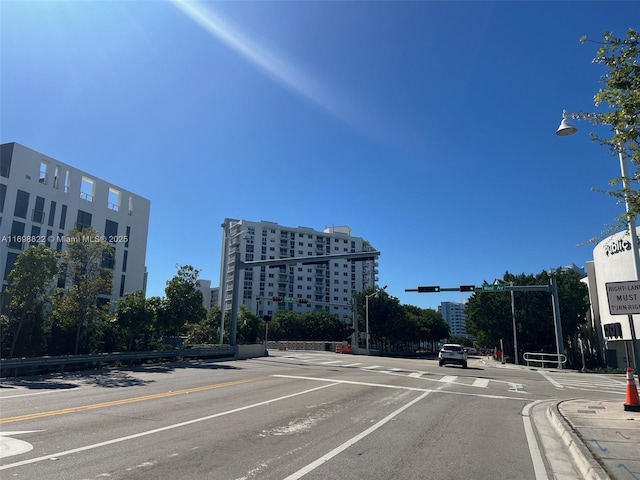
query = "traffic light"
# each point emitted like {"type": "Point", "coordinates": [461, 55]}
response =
{"type": "Point", "coordinates": [277, 299]}
{"type": "Point", "coordinates": [266, 318]}
{"type": "Point", "coordinates": [429, 289]}
{"type": "Point", "coordinates": [467, 288]}
{"type": "Point", "coordinates": [303, 300]}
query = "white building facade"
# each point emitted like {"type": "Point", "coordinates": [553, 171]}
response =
{"type": "Point", "coordinates": [612, 262]}
{"type": "Point", "coordinates": [454, 314]}
{"type": "Point", "coordinates": [42, 199]}
{"type": "Point", "coordinates": [326, 286]}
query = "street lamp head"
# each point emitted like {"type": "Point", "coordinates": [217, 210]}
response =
{"type": "Point", "coordinates": [566, 127]}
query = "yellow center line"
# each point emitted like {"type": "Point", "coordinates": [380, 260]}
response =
{"type": "Point", "coordinates": [125, 401]}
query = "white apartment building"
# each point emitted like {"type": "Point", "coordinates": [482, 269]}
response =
{"type": "Point", "coordinates": [453, 313]}
{"type": "Point", "coordinates": [42, 199]}
{"type": "Point", "coordinates": [326, 286]}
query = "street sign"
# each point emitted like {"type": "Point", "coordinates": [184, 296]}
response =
{"type": "Point", "coordinates": [290, 299]}
{"type": "Point", "coordinates": [624, 297]}
{"type": "Point", "coordinates": [493, 288]}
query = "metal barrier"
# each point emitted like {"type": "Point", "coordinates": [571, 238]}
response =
{"type": "Point", "coordinates": [542, 358]}
{"type": "Point", "coordinates": [27, 365]}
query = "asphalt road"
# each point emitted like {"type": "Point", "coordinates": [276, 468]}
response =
{"type": "Point", "coordinates": [311, 415]}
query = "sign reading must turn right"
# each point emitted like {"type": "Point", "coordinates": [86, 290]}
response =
{"type": "Point", "coordinates": [624, 297]}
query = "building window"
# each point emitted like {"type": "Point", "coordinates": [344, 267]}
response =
{"type": "Point", "coordinates": [47, 241]}
{"type": "Point", "coordinates": [122, 278]}
{"type": "Point", "coordinates": [3, 195]}
{"type": "Point", "coordinates": [113, 200]}
{"type": "Point", "coordinates": [43, 173]}
{"type": "Point", "coordinates": [52, 213]}
{"type": "Point", "coordinates": [130, 209]}
{"type": "Point", "coordinates": [63, 216]}
{"type": "Point", "coordinates": [6, 152]}
{"type": "Point", "coordinates": [128, 236]}
{"type": "Point", "coordinates": [87, 189]}
{"type": "Point", "coordinates": [56, 177]}
{"type": "Point", "coordinates": [111, 230]}
{"type": "Point", "coordinates": [35, 233]}
{"type": "Point", "coordinates": [37, 214]}
{"type": "Point", "coordinates": [17, 233]}
{"type": "Point", "coordinates": [124, 260]}
{"type": "Point", "coordinates": [83, 220]}
{"type": "Point", "coordinates": [22, 204]}
{"type": "Point", "coordinates": [67, 182]}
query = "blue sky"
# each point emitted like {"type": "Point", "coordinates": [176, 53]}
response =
{"type": "Point", "coordinates": [427, 127]}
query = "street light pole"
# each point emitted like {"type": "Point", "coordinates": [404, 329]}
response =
{"type": "Point", "coordinates": [567, 128]}
{"type": "Point", "coordinates": [374, 294]}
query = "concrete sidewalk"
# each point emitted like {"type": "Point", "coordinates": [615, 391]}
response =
{"type": "Point", "coordinates": [602, 438]}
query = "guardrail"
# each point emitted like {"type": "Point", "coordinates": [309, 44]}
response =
{"type": "Point", "coordinates": [30, 365]}
{"type": "Point", "coordinates": [542, 358]}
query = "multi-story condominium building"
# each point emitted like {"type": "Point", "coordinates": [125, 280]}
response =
{"type": "Point", "coordinates": [324, 286]}
{"type": "Point", "coordinates": [42, 199]}
{"type": "Point", "coordinates": [453, 314]}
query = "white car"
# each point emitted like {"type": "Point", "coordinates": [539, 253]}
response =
{"type": "Point", "coordinates": [452, 353]}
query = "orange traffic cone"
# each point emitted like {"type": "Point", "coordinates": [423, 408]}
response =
{"type": "Point", "coordinates": [633, 401]}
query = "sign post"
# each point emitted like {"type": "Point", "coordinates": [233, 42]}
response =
{"type": "Point", "coordinates": [624, 299]}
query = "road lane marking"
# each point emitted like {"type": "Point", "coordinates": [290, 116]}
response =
{"type": "Point", "coordinates": [371, 367]}
{"type": "Point", "coordinates": [551, 380]}
{"type": "Point", "coordinates": [339, 449]}
{"type": "Point", "coordinates": [402, 387]}
{"type": "Point", "coordinates": [480, 382]}
{"type": "Point", "coordinates": [159, 430]}
{"type": "Point", "coordinates": [449, 379]}
{"type": "Point", "coordinates": [534, 448]}
{"type": "Point", "coordinates": [126, 401]}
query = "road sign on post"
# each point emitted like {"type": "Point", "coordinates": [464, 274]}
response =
{"type": "Point", "coordinates": [290, 299]}
{"type": "Point", "coordinates": [624, 297]}
{"type": "Point", "coordinates": [493, 288]}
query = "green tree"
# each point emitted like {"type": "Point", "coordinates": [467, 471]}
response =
{"type": "Point", "coordinates": [206, 331]}
{"type": "Point", "coordinates": [29, 288]}
{"type": "Point", "coordinates": [489, 316]}
{"type": "Point", "coordinates": [620, 94]}
{"type": "Point", "coordinates": [183, 301]}
{"type": "Point", "coordinates": [83, 306]}
{"type": "Point", "coordinates": [250, 326]}
{"type": "Point", "coordinates": [134, 316]}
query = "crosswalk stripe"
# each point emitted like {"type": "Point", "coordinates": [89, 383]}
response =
{"type": "Point", "coordinates": [449, 378]}
{"type": "Point", "coordinates": [480, 382]}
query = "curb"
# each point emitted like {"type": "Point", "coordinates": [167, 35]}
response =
{"type": "Point", "coordinates": [580, 454]}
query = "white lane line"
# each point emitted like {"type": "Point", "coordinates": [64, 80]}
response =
{"type": "Point", "coordinates": [371, 367]}
{"type": "Point", "coordinates": [158, 430]}
{"type": "Point", "coordinates": [551, 380]}
{"type": "Point", "coordinates": [480, 382]}
{"type": "Point", "coordinates": [351, 365]}
{"type": "Point", "coordinates": [448, 379]}
{"type": "Point", "coordinates": [331, 362]}
{"type": "Point", "coordinates": [339, 449]}
{"type": "Point", "coordinates": [534, 448]}
{"type": "Point", "coordinates": [401, 387]}
{"type": "Point", "coordinates": [415, 374]}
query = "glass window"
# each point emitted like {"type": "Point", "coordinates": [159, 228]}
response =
{"type": "Point", "coordinates": [63, 216]}
{"type": "Point", "coordinates": [22, 204]}
{"type": "Point", "coordinates": [37, 214]}
{"type": "Point", "coordinates": [52, 213]}
{"type": "Point", "coordinates": [6, 152]}
{"type": "Point", "coordinates": [17, 233]}
{"type": "Point", "coordinates": [83, 220]}
{"type": "Point", "coordinates": [3, 194]}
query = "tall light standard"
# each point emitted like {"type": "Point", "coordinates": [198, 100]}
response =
{"type": "Point", "coordinates": [567, 128]}
{"type": "Point", "coordinates": [374, 294]}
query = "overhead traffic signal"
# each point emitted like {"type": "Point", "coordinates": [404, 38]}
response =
{"type": "Point", "coordinates": [277, 299]}
{"type": "Point", "coordinates": [431, 289]}
{"type": "Point", "coordinates": [467, 288]}
{"type": "Point", "coordinates": [303, 300]}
